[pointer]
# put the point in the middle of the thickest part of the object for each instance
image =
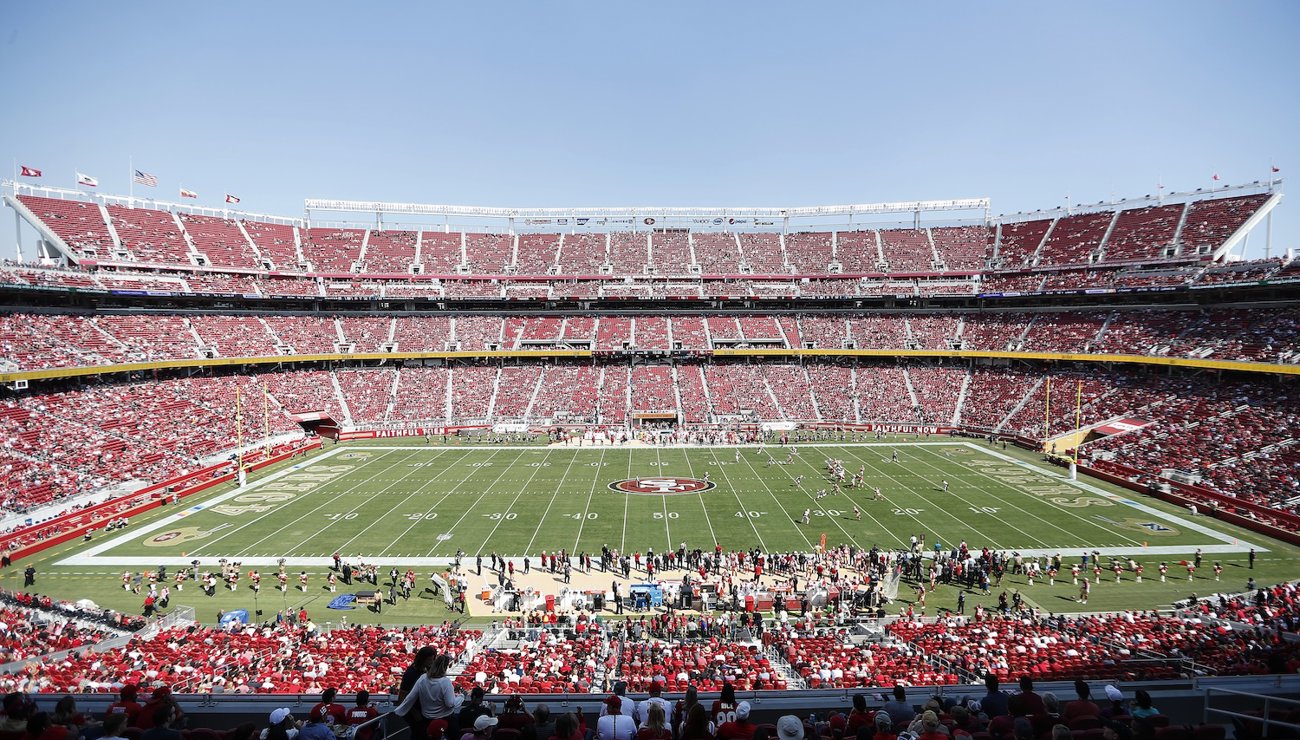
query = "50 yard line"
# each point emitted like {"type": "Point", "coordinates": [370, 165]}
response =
{"type": "Point", "coordinates": [668, 535]}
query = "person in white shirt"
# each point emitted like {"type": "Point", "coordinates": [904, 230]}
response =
{"type": "Point", "coordinates": [643, 709]}
{"type": "Point", "coordinates": [436, 695]}
{"type": "Point", "coordinates": [627, 706]}
{"type": "Point", "coordinates": [615, 725]}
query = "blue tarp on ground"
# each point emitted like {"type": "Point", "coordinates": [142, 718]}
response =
{"type": "Point", "coordinates": [238, 615]}
{"type": "Point", "coordinates": [343, 601]}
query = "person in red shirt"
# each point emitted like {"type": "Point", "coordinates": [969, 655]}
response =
{"type": "Point", "coordinates": [858, 718]}
{"type": "Point", "coordinates": [1027, 703]}
{"type": "Point", "coordinates": [327, 711]}
{"type": "Point", "coordinates": [740, 728]}
{"type": "Point", "coordinates": [162, 696]}
{"type": "Point", "coordinates": [1083, 706]}
{"type": "Point", "coordinates": [724, 708]}
{"type": "Point", "coordinates": [513, 717]}
{"type": "Point", "coordinates": [360, 714]}
{"type": "Point", "coordinates": [126, 704]}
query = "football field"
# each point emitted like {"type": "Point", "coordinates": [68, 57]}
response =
{"type": "Point", "coordinates": [418, 505]}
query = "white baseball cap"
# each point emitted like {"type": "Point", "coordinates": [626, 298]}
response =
{"type": "Point", "coordinates": [789, 727]}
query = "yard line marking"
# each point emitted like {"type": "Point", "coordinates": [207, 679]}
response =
{"type": "Point", "coordinates": [402, 503]}
{"type": "Point", "coordinates": [590, 496]}
{"type": "Point", "coordinates": [572, 459]}
{"type": "Point", "coordinates": [1022, 492]}
{"type": "Point", "coordinates": [89, 556]}
{"type": "Point", "coordinates": [664, 500]}
{"type": "Point", "coordinates": [206, 545]}
{"type": "Point", "coordinates": [822, 509]}
{"type": "Point", "coordinates": [940, 506]}
{"type": "Point", "coordinates": [700, 497]}
{"type": "Point", "coordinates": [779, 505]}
{"type": "Point", "coordinates": [364, 500]}
{"type": "Point", "coordinates": [1012, 504]}
{"type": "Point", "coordinates": [627, 501]}
{"type": "Point", "coordinates": [679, 445]}
{"type": "Point", "coordinates": [863, 508]}
{"type": "Point", "coordinates": [505, 469]}
{"type": "Point", "coordinates": [1130, 502]}
{"type": "Point", "coordinates": [416, 522]}
{"type": "Point", "coordinates": [943, 509]}
{"type": "Point", "coordinates": [723, 470]}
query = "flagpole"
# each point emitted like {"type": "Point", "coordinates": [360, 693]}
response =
{"type": "Point", "coordinates": [1047, 411]}
{"type": "Point", "coordinates": [130, 165]}
{"type": "Point", "coordinates": [266, 416]}
{"type": "Point", "coordinates": [1078, 421]}
{"type": "Point", "coordinates": [239, 433]}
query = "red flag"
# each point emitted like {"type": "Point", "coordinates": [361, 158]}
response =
{"type": "Point", "coordinates": [1275, 168]}
{"type": "Point", "coordinates": [33, 172]}
{"type": "Point", "coordinates": [1216, 176]}
{"type": "Point", "coordinates": [231, 198]}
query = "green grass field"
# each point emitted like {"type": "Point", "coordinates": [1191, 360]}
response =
{"type": "Point", "coordinates": [414, 505]}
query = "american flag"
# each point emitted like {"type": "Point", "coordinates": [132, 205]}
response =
{"type": "Point", "coordinates": [144, 178]}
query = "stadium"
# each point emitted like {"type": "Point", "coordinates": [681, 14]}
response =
{"type": "Point", "coordinates": [796, 458]}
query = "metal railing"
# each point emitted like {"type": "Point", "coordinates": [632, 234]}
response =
{"type": "Point", "coordinates": [1238, 718]}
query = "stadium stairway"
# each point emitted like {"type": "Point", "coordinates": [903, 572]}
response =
{"type": "Point", "coordinates": [961, 400]}
{"type": "Point", "coordinates": [784, 670]}
{"type": "Point", "coordinates": [911, 392]}
{"type": "Point", "coordinates": [343, 402]}
{"type": "Point", "coordinates": [817, 409]}
{"type": "Point", "coordinates": [1015, 410]}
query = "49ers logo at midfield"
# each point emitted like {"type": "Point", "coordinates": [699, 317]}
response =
{"type": "Point", "coordinates": [661, 485]}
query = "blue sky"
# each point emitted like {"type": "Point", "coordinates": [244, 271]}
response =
{"type": "Point", "coordinates": [670, 103]}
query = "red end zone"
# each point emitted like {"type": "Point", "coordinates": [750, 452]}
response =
{"type": "Point", "coordinates": [661, 485]}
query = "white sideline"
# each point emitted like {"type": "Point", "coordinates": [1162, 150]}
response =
{"type": "Point", "coordinates": [93, 557]}
{"type": "Point", "coordinates": [1236, 543]}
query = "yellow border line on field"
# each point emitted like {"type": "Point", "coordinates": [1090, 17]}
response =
{"type": "Point", "coordinates": [1202, 364]}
